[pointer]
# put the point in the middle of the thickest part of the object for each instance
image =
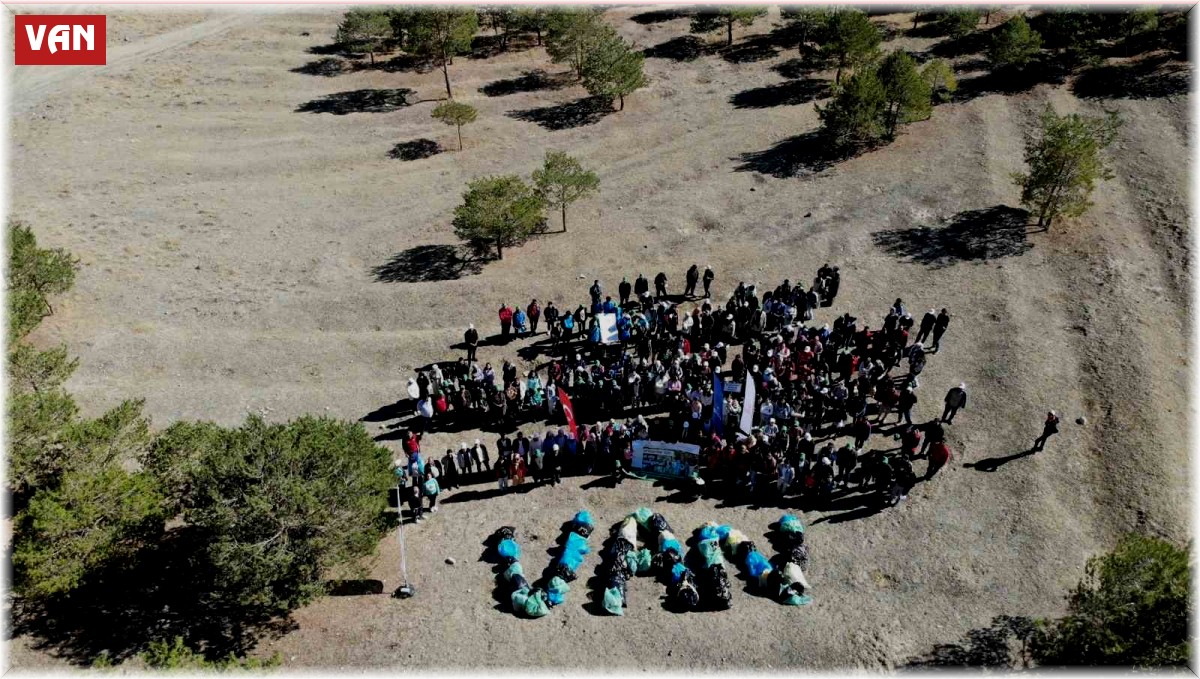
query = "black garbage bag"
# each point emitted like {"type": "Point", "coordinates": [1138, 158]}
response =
{"type": "Point", "coordinates": [715, 587]}
{"type": "Point", "coordinates": [562, 571]}
{"type": "Point", "coordinates": [684, 592]}
{"type": "Point", "coordinates": [518, 582]}
{"type": "Point", "coordinates": [798, 555]}
{"type": "Point", "coordinates": [658, 523]}
{"type": "Point", "coordinates": [744, 548]}
{"type": "Point", "coordinates": [663, 562]}
{"type": "Point", "coordinates": [506, 533]}
{"type": "Point", "coordinates": [583, 529]}
{"type": "Point", "coordinates": [617, 581]}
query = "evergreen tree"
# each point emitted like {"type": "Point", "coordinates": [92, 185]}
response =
{"type": "Point", "coordinates": [907, 95]}
{"type": "Point", "coordinates": [1014, 44]}
{"type": "Point", "coordinates": [498, 212]}
{"type": "Point", "coordinates": [1065, 162]}
{"type": "Point", "coordinates": [613, 69]}
{"type": "Point", "coordinates": [364, 29]}
{"type": "Point", "coordinates": [441, 34]}
{"type": "Point", "coordinates": [725, 18]}
{"type": "Point", "coordinates": [457, 114]}
{"type": "Point", "coordinates": [562, 180]}
{"type": "Point", "coordinates": [855, 114]}
{"type": "Point", "coordinates": [851, 40]}
{"type": "Point", "coordinates": [572, 33]}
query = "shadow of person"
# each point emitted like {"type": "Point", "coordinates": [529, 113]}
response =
{"type": "Point", "coordinates": [991, 464]}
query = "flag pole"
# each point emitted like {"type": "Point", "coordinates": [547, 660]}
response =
{"type": "Point", "coordinates": [405, 590]}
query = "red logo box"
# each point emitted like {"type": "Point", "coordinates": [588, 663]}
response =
{"type": "Point", "coordinates": [60, 40]}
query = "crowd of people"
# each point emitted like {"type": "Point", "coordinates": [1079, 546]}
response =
{"type": "Point", "coordinates": [821, 393]}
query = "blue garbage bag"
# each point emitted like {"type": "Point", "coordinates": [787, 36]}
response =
{"type": "Point", "coordinates": [756, 564]}
{"type": "Point", "coordinates": [508, 549]}
{"type": "Point", "coordinates": [677, 572]}
{"type": "Point", "coordinates": [673, 545]}
{"type": "Point", "coordinates": [723, 531]}
{"type": "Point", "coordinates": [790, 524]}
{"type": "Point", "coordinates": [556, 591]}
{"type": "Point", "coordinates": [584, 518]}
{"type": "Point", "coordinates": [709, 533]}
{"type": "Point", "coordinates": [572, 560]}
{"type": "Point", "coordinates": [576, 543]}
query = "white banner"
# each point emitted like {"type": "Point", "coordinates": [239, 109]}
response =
{"type": "Point", "coordinates": [666, 459]}
{"type": "Point", "coordinates": [748, 407]}
{"type": "Point", "coordinates": [608, 328]}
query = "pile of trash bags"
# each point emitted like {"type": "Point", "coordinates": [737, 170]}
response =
{"type": "Point", "coordinates": [530, 601]}
{"type": "Point", "coordinates": [745, 553]}
{"type": "Point", "coordinates": [668, 563]}
{"type": "Point", "coordinates": [712, 580]}
{"type": "Point", "coordinates": [570, 558]}
{"type": "Point", "coordinates": [623, 559]}
{"type": "Point", "coordinates": [793, 587]}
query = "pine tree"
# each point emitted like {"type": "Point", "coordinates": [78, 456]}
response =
{"type": "Point", "coordinates": [613, 69]}
{"type": "Point", "coordinates": [562, 180]}
{"type": "Point", "coordinates": [1065, 162]}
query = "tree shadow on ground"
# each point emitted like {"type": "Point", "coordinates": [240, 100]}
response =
{"type": "Point", "coordinates": [488, 46]}
{"type": "Point", "coordinates": [1144, 79]}
{"type": "Point", "coordinates": [798, 67]}
{"type": "Point", "coordinates": [401, 63]}
{"type": "Point", "coordinates": [1004, 643]}
{"type": "Point", "coordinates": [974, 235]}
{"type": "Point", "coordinates": [162, 593]}
{"type": "Point", "coordinates": [426, 264]}
{"type": "Point", "coordinates": [759, 48]}
{"type": "Point", "coordinates": [660, 16]}
{"type": "Point", "coordinates": [974, 42]}
{"type": "Point", "coordinates": [683, 48]}
{"type": "Point", "coordinates": [1011, 81]}
{"type": "Point", "coordinates": [783, 94]}
{"type": "Point", "coordinates": [586, 111]}
{"type": "Point", "coordinates": [327, 67]}
{"type": "Point", "coordinates": [415, 149]}
{"type": "Point", "coordinates": [333, 49]}
{"type": "Point", "coordinates": [359, 101]}
{"type": "Point", "coordinates": [529, 81]}
{"type": "Point", "coordinates": [362, 587]}
{"type": "Point", "coordinates": [806, 154]}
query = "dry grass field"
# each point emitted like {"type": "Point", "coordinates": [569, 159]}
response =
{"type": "Point", "coordinates": [251, 245]}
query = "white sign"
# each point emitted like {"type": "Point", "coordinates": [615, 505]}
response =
{"type": "Point", "coordinates": [608, 328]}
{"type": "Point", "coordinates": [666, 459]}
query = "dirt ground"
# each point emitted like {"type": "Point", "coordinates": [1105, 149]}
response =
{"type": "Point", "coordinates": [232, 222]}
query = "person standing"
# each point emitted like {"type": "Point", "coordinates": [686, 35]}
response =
{"type": "Point", "coordinates": [939, 329]}
{"type": "Point", "coordinates": [691, 279]}
{"type": "Point", "coordinates": [502, 474]}
{"type": "Point", "coordinates": [939, 455]}
{"type": "Point", "coordinates": [483, 454]}
{"type": "Point", "coordinates": [450, 470]}
{"type": "Point", "coordinates": [595, 292]}
{"type": "Point", "coordinates": [534, 312]}
{"type": "Point", "coordinates": [926, 327]}
{"type": "Point", "coordinates": [471, 339]}
{"type": "Point", "coordinates": [934, 432]}
{"type": "Point", "coordinates": [553, 462]}
{"type": "Point", "coordinates": [708, 279]}
{"type": "Point", "coordinates": [416, 506]}
{"type": "Point", "coordinates": [1049, 428]}
{"type": "Point", "coordinates": [506, 318]}
{"type": "Point", "coordinates": [908, 400]}
{"type": "Point", "coordinates": [955, 398]}
{"type": "Point", "coordinates": [660, 285]}
{"type": "Point", "coordinates": [623, 291]}
{"type": "Point", "coordinates": [431, 489]}
{"type": "Point", "coordinates": [641, 286]}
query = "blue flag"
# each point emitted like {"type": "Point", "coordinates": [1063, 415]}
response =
{"type": "Point", "coordinates": [718, 415]}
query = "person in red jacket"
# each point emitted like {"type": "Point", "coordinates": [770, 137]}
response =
{"type": "Point", "coordinates": [535, 314]}
{"type": "Point", "coordinates": [506, 317]}
{"type": "Point", "coordinates": [939, 455]}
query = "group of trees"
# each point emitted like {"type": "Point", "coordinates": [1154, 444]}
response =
{"type": "Point", "coordinates": [606, 65]}
{"type": "Point", "coordinates": [503, 211]}
{"type": "Point", "coordinates": [275, 507]}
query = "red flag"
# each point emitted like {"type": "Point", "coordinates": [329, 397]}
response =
{"type": "Point", "coordinates": [568, 411]}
